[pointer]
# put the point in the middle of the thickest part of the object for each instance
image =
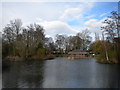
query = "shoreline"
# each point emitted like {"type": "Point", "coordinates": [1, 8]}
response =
{"type": "Point", "coordinates": [50, 57]}
{"type": "Point", "coordinates": [17, 58]}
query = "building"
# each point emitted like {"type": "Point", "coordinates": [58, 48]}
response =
{"type": "Point", "coordinates": [76, 54]}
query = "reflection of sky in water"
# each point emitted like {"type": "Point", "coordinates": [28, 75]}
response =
{"type": "Point", "coordinates": [76, 73]}
{"type": "Point", "coordinates": [61, 73]}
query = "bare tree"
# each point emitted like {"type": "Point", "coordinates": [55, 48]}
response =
{"type": "Point", "coordinates": [86, 38]}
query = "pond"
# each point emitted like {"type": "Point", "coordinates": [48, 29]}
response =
{"type": "Point", "coordinates": [61, 73]}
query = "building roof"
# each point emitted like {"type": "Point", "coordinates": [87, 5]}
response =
{"type": "Point", "coordinates": [77, 52]}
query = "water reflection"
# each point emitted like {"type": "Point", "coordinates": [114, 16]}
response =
{"type": "Point", "coordinates": [80, 74]}
{"type": "Point", "coordinates": [61, 73]}
{"type": "Point", "coordinates": [24, 74]}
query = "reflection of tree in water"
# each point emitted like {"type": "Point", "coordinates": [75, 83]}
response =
{"type": "Point", "coordinates": [113, 76]}
{"type": "Point", "coordinates": [34, 74]}
{"type": "Point", "coordinates": [29, 74]}
{"type": "Point", "coordinates": [22, 74]}
{"type": "Point", "coordinates": [115, 83]}
{"type": "Point", "coordinates": [105, 76]}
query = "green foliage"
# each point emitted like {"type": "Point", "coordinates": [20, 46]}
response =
{"type": "Point", "coordinates": [103, 48]}
{"type": "Point", "coordinates": [97, 47]}
{"type": "Point", "coordinates": [109, 48]}
{"type": "Point", "coordinates": [40, 45]}
{"type": "Point", "coordinates": [25, 44]}
{"type": "Point", "coordinates": [41, 51]}
{"type": "Point", "coordinates": [112, 54]}
{"type": "Point", "coordinates": [31, 42]}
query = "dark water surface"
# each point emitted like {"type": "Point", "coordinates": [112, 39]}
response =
{"type": "Point", "coordinates": [61, 73]}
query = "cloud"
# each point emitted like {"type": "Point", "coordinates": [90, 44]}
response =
{"type": "Point", "coordinates": [30, 12]}
{"type": "Point", "coordinates": [54, 17]}
{"type": "Point", "coordinates": [59, 1]}
{"type": "Point", "coordinates": [57, 27]}
{"type": "Point", "coordinates": [104, 14]}
{"type": "Point", "coordinates": [72, 13]}
{"type": "Point", "coordinates": [94, 25]}
{"type": "Point", "coordinates": [91, 16]}
{"type": "Point", "coordinates": [76, 13]}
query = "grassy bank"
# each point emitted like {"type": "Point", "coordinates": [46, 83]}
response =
{"type": "Point", "coordinates": [35, 57]}
{"type": "Point", "coordinates": [103, 60]}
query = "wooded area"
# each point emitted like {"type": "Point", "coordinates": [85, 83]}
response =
{"type": "Point", "coordinates": [109, 47]}
{"type": "Point", "coordinates": [31, 42]}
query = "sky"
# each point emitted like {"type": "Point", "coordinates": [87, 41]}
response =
{"type": "Point", "coordinates": [58, 17]}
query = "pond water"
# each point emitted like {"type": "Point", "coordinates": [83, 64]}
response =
{"type": "Point", "coordinates": [61, 73]}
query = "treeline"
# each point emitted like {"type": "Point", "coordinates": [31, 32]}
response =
{"type": "Point", "coordinates": [31, 43]}
{"type": "Point", "coordinates": [108, 49]}
{"type": "Point", "coordinates": [22, 42]}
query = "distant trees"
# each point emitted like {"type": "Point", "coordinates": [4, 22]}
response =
{"type": "Point", "coordinates": [67, 43]}
{"type": "Point", "coordinates": [75, 42]}
{"type": "Point", "coordinates": [22, 42]}
{"type": "Point", "coordinates": [31, 42]}
{"type": "Point", "coordinates": [49, 45]}
{"type": "Point", "coordinates": [34, 39]}
{"type": "Point", "coordinates": [60, 41]}
{"type": "Point", "coordinates": [80, 41]}
{"type": "Point", "coordinates": [85, 39]}
{"type": "Point", "coordinates": [111, 28]}
{"type": "Point", "coordinates": [109, 47]}
{"type": "Point", "coordinates": [11, 36]}
{"type": "Point", "coordinates": [97, 47]}
{"type": "Point", "coordinates": [112, 31]}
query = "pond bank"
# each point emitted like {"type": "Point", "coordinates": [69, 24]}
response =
{"type": "Point", "coordinates": [35, 57]}
{"type": "Point", "coordinates": [103, 60]}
